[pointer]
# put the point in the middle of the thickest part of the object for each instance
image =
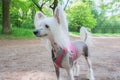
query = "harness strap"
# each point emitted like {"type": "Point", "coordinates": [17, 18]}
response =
{"type": "Point", "coordinates": [73, 51]}
{"type": "Point", "coordinates": [61, 54]}
{"type": "Point", "coordinates": [58, 60]}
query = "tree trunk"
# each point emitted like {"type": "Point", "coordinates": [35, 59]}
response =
{"type": "Point", "coordinates": [6, 17]}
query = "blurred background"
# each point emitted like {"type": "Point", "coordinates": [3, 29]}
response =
{"type": "Point", "coordinates": [100, 16]}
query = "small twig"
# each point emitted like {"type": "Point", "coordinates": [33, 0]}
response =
{"type": "Point", "coordinates": [43, 5]}
{"type": "Point", "coordinates": [40, 7]}
{"type": "Point", "coordinates": [36, 4]}
{"type": "Point", "coordinates": [66, 4]}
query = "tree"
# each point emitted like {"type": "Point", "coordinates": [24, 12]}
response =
{"type": "Point", "coordinates": [6, 17]}
{"type": "Point", "coordinates": [79, 14]}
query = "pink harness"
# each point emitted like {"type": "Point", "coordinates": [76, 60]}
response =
{"type": "Point", "coordinates": [62, 54]}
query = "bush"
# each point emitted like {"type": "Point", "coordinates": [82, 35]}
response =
{"type": "Point", "coordinates": [80, 15]}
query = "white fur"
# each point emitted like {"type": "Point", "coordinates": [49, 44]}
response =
{"type": "Point", "coordinates": [62, 16]}
{"type": "Point", "coordinates": [59, 36]}
{"type": "Point", "coordinates": [91, 75]}
{"type": "Point", "coordinates": [59, 31]}
{"type": "Point", "coordinates": [38, 16]}
{"type": "Point", "coordinates": [48, 45]}
{"type": "Point", "coordinates": [76, 68]}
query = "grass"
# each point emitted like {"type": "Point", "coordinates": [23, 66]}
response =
{"type": "Point", "coordinates": [21, 33]}
{"type": "Point", "coordinates": [18, 33]}
{"type": "Point", "coordinates": [106, 34]}
{"type": "Point", "coordinates": [77, 34]}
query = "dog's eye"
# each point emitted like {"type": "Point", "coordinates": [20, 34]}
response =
{"type": "Point", "coordinates": [46, 26]}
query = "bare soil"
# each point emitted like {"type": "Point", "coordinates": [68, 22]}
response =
{"type": "Point", "coordinates": [30, 60]}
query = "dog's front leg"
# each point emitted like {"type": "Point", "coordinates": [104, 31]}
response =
{"type": "Point", "coordinates": [70, 74]}
{"type": "Point", "coordinates": [68, 65]}
{"type": "Point", "coordinates": [57, 72]}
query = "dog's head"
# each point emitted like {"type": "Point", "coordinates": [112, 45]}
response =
{"type": "Point", "coordinates": [45, 26]}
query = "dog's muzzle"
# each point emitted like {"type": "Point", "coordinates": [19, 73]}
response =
{"type": "Point", "coordinates": [36, 32]}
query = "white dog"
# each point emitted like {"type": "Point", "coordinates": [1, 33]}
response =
{"type": "Point", "coordinates": [64, 53]}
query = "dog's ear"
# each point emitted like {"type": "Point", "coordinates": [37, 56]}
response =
{"type": "Point", "coordinates": [57, 14]}
{"type": "Point", "coordinates": [60, 16]}
{"type": "Point", "coordinates": [39, 15]}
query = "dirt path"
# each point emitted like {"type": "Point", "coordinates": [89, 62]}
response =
{"type": "Point", "coordinates": [29, 60]}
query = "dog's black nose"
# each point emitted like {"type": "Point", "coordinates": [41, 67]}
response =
{"type": "Point", "coordinates": [35, 32]}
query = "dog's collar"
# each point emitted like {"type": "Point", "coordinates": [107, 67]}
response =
{"type": "Point", "coordinates": [61, 54]}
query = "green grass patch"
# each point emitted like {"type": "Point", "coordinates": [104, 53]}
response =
{"type": "Point", "coordinates": [106, 34]}
{"type": "Point", "coordinates": [18, 33]}
{"type": "Point", "coordinates": [77, 34]}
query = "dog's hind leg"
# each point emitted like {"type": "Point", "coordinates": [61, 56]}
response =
{"type": "Point", "coordinates": [76, 68]}
{"type": "Point", "coordinates": [86, 54]}
{"type": "Point", "coordinates": [91, 75]}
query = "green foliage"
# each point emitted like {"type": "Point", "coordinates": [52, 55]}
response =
{"type": "Point", "coordinates": [107, 24]}
{"type": "Point", "coordinates": [21, 13]}
{"type": "Point", "coordinates": [1, 12]}
{"type": "Point", "coordinates": [79, 15]}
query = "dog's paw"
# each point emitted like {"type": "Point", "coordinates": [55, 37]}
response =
{"type": "Point", "coordinates": [92, 78]}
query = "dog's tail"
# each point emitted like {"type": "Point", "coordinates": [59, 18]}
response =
{"type": "Point", "coordinates": [85, 36]}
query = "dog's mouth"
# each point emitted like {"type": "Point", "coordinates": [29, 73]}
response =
{"type": "Point", "coordinates": [38, 34]}
{"type": "Point", "coordinates": [42, 35]}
